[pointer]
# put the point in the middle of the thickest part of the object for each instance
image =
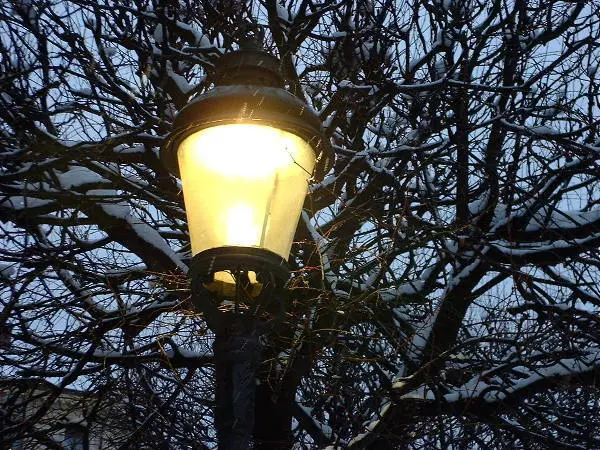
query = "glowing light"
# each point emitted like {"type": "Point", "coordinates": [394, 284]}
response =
{"type": "Point", "coordinates": [244, 185]}
{"type": "Point", "coordinates": [242, 226]}
{"type": "Point", "coordinates": [249, 151]}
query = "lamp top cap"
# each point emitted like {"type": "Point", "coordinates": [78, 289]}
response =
{"type": "Point", "coordinates": [249, 89]}
{"type": "Point", "coordinates": [250, 65]}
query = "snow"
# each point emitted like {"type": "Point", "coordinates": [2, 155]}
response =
{"type": "Point", "coordinates": [68, 277]}
{"type": "Point", "coordinates": [89, 22]}
{"type": "Point", "coordinates": [562, 219]}
{"type": "Point", "coordinates": [500, 217]}
{"type": "Point", "coordinates": [503, 219]}
{"type": "Point", "coordinates": [158, 33]}
{"type": "Point", "coordinates": [126, 149]}
{"type": "Point", "coordinates": [18, 202]}
{"type": "Point", "coordinates": [78, 176]}
{"type": "Point", "coordinates": [109, 51]}
{"type": "Point", "coordinates": [179, 80]}
{"type": "Point", "coordinates": [419, 340]}
{"type": "Point", "coordinates": [451, 245]}
{"type": "Point", "coordinates": [496, 389]}
{"type": "Point", "coordinates": [7, 270]}
{"type": "Point", "coordinates": [127, 270]}
{"type": "Point", "coordinates": [477, 206]}
{"type": "Point", "coordinates": [191, 354]}
{"type": "Point", "coordinates": [443, 39]}
{"type": "Point", "coordinates": [83, 91]}
{"type": "Point", "coordinates": [326, 429]}
{"type": "Point", "coordinates": [328, 180]}
{"type": "Point", "coordinates": [319, 239]}
{"type": "Point", "coordinates": [66, 107]}
{"type": "Point", "coordinates": [465, 272]}
{"type": "Point", "coordinates": [543, 129]}
{"type": "Point", "coordinates": [283, 13]}
{"type": "Point", "coordinates": [346, 84]}
{"type": "Point", "coordinates": [421, 393]}
{"type": "Point", "coordinates": [121, 210]}
{"type": "Point", "coordinates": [25, 7]}
{"type": "Point", "coordinates": [199, 38]}
{"type": "Point", "coordinates": [150, 235]}
{"type": "Point", "coordinates": [445, 4]}
{"type": "Point", "coordinates": [372, 425]}
{"type": "Point", "coordinates": [428, 272]}
{"type": "Point", "coordinates": [410, 288]}
{"type": "Point", "coordinates": [69, 143]}
{"type": "Point", "coordinates": [204, 42]}
{"type": "Point", "coordinates": [525, 249]}
{"type": "Point", "coordinates": [339, 34]}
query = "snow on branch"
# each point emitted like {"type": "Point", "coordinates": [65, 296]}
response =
{"type": "Point", "coordinates": [119, 211]}
{"type": "Point", "coordinates": [153, 352]}
{"type": "Point", "coordinates": [482, 390]}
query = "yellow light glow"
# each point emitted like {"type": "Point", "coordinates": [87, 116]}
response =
{"type": "Point", "coordinates": [249, 151]}
{"type": "Point", "coordinates": [224, 285]}
{"type": "Point", "coordinates": [242, 226]}
{"type": "Point", "coordinates": [244, 185]}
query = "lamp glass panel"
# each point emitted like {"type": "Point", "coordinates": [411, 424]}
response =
{"type": "Point", "coordinates": [244, 185]}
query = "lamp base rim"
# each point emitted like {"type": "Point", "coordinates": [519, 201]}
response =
{"type": "Point", "coordinates": [239, 258]}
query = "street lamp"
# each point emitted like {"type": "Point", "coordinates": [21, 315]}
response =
{"type": "Point", "coordinates": [245, 151]}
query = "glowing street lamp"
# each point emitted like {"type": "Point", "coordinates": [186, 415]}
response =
{"type": "Point", "coordinates": [245, 151]}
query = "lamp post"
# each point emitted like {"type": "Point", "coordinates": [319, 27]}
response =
{"type": "Point", "coordinates": [245, 151]}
